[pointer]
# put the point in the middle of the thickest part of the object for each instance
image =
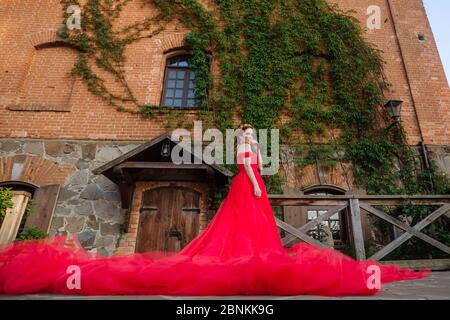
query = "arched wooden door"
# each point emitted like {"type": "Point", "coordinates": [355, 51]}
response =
{"type": "Point", "coordinates": [169, 219]}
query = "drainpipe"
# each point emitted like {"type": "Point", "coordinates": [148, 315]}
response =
{"type": "Point", "coordinates": [426, 162]}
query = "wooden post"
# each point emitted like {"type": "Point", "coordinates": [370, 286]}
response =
{"type": "Point", "coordinates": [13, 217]}
{"type": "Point", "coordinates": [358, 239]}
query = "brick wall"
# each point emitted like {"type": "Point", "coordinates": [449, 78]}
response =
{"type": "Point", "coordinates": [413, 67]}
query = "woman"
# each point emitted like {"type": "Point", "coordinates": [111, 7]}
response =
{"type": "Point", "coordinates": [239, 253]}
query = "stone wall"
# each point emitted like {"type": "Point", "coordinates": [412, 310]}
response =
{"type": "Point", "coordinates": [88, 204]}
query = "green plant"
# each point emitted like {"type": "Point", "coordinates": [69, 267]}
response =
{"type": "Point", "coordinates": [5, 201]}
{"type": "Point", "coordinates": [31, 233]}
{"type": "Point", "coordinates": [303, 59]}
{"type": "Point", "coordinates": [28, 208]}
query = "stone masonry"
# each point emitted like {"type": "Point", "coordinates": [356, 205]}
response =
{"type": "Point", "coordinates": [88, 205]}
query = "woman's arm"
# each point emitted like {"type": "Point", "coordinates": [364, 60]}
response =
{"type": "Point", "coordinates": [251, 175]}
{"type": "Point", "coordinates": [248, 168]}
{"type": "Point", "coordinates": [260, 162]}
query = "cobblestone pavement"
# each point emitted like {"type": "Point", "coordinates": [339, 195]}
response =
{"type": "Point", "coordinates": [434, 287]}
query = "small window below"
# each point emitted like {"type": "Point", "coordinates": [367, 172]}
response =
{"type": "Point", "coordinates": [332, 231]}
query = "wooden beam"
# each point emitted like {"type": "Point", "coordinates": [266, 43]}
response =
{"type": "Point", "coordinates": [406, 236]}
{"type": "Point", "coordinates": [358, 239]}
{"type": "Point", "coordinates": [309, 200]}
{"type": "Point", "coordinates": [288, 228]}
{"type": "Point", "coordinates": [126, 194]}
{"type": "Point", "coordinates": [407, 228]}
{"type": "Point", "coordinates": [144, 176]}
{"type": "Point", "coordinates": [160, 165]}
{"type": "Point", "coordinates": [287, 240]}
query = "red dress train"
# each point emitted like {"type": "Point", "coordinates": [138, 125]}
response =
{"type": "Point", "coordinates": [239, 253]}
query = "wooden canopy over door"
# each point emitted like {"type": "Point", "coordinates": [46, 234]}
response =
{"type": "Point", "coordinates": [169, 219]}
{"type": "Point", "coordinates": [170, 214]}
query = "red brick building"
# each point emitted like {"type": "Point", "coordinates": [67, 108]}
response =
{"type": "Point", "coordinates": [54, 131]}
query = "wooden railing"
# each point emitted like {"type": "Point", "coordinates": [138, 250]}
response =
{"type": "Point", "coordinates": [354, 204]}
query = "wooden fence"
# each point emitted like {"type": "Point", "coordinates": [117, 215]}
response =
{"type": "Point", "coordinates": [354, 204]}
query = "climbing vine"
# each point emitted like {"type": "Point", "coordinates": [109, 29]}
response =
{"type": "Point", "coordinates": [5, 201]}
{"type": "Point", "coordinates": [299, 65]}
{"type": "Point", "coordinates": [102, 49]}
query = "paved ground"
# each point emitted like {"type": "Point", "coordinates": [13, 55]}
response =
{"type": "Point", "coordinates": [434, 287]}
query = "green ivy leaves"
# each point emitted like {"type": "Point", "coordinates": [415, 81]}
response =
{"type": "Point", "coordinates": [301, 58]}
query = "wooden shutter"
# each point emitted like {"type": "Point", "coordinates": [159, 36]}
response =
{"type": "Point", "coordinates": [42, 207]}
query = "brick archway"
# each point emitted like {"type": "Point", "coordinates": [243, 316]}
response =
{"type": "Point", "coordinates": [172, 41]}
{"type": "Point", "coordinates": [44, 37]}
{"type": "Point", "coordinates": [36, 170]}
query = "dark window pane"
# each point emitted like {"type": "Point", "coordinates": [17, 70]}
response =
{"type": "Point", "coordinates": [169, 93]}
{"type": "Point", "coordinates": [181, 61]}
{"type": "Point", "coordinates": [180, 74]}
{"type": "Point", "coordinates": [179, 83]}
{"type": "Point", "coordinates": [177, 102]}
{"type": "Point", "coordinates": [178, 93]}
{"type": "Point", "coordinates": [172, 74]}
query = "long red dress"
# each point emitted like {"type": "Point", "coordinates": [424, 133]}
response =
{"type": "Point", "coordinates": [239, 253]}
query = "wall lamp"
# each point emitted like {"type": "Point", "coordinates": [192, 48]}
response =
{"type": "Point", "coordinates": [394, 107]}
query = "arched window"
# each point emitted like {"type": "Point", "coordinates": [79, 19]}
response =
{"type": "Point", "coordinates": [178, 90]}
{"type": "Point", "coordinates": [33, 207]}
{"type": "Point", "coordinates": [12, 223]}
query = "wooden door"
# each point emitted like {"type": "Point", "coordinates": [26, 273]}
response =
{"type": "Point", "coordinates": [169, 219]}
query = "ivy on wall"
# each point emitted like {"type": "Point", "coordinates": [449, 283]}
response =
{"type": "Point", "coordinates": [5, 202]}
{"type": "Point", "coordinates": [304, 61]}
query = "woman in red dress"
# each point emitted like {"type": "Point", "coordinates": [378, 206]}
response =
{"type": "Point", "coordinates": [239, 253]}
